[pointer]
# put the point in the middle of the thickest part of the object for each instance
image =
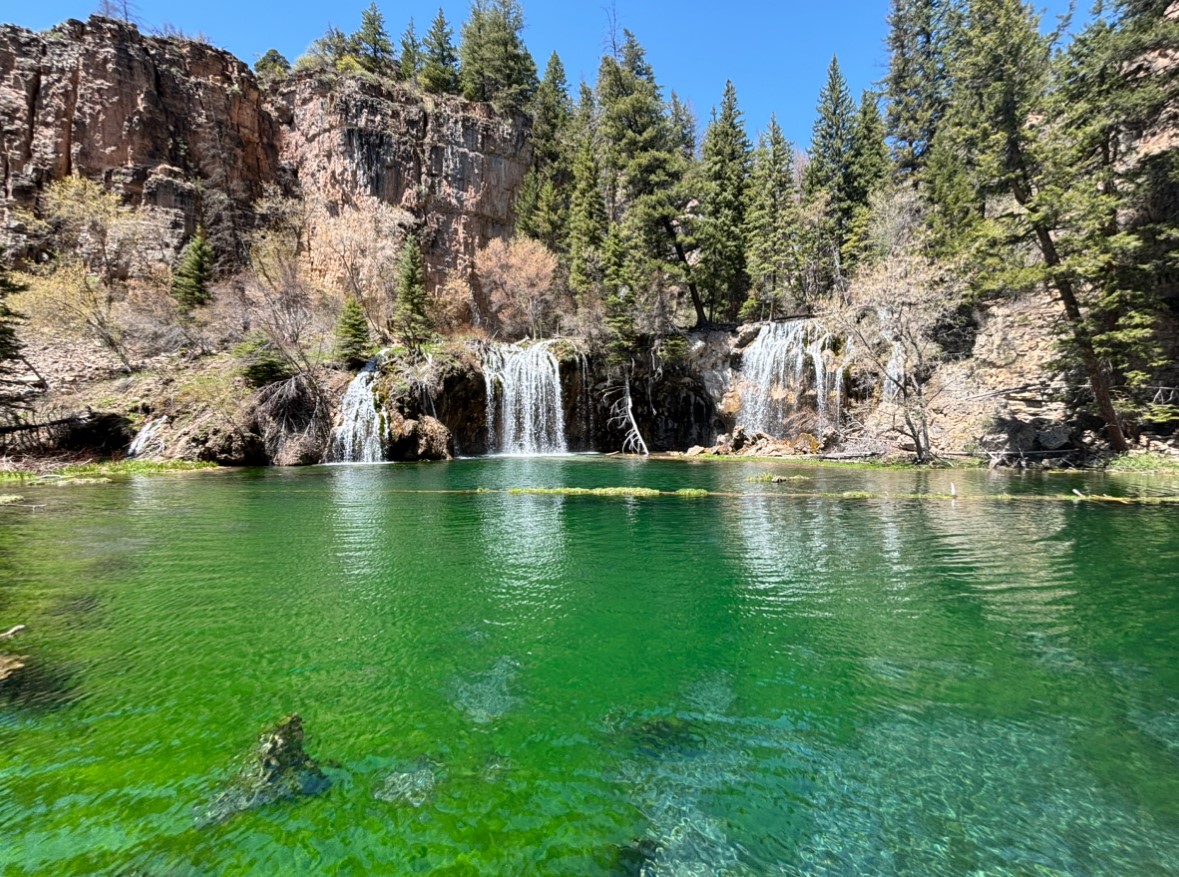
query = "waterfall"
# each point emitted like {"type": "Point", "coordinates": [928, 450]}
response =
{"type": "Point", "coordinates": [147, 442]}
{"type": "Point", "coordinates": [774, 369]}
{"type": "Point", "coordinates": [359, 434]}
{"type": "Point", "coordinates": [525, 412]}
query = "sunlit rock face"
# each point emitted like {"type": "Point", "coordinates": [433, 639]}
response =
{"type": "Point", "coordinates": [169, 122]}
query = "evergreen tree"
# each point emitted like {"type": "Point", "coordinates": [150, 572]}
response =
{"type": "Point", "coordinates": [372, 43]}
{"type": "Point", "coordinates": [411, 321]}
{"type": "Point", "coordinates": [772, 244]}
{"type": "Point", "coordinates": [190, 283]}
{"type": "Point", "coordinates": [272, 65]}
{"type": "Point", "coordinates": [551, 107]}
{"type": "Point", "coordinates": [1001, 82]}
{"type": "Point", "coordinates": [353, 338]}
{"type": "Point", "coordinates": [542, 208]}
{"type": "Point", "coordinates": [831, 144]}
{"type": "Point", "coordinates": [917, 83]}
{"type": "Point", "coordinates": [868, 170]}
{"type": "Point", "coordinates": [494, 63]}
{"type": "Point", "coordinates": [683, 127]}
{"type": "Point", "coordinates": [411, 54]}
{"type": "Point", "coordinates": [587, 214]}
{"type": "Point", "coordinates": [644, 169]}
{"type": "Point", "coordinates": [621, 332]}
{"type": "Point", "coordinates": [722, 225]}
{"type": "Point", "coordinates": [440, 69]}
{"type": "Point", "coordinates": [1119, 206]}
{"type": "Point", "coordinates": [827, 181]}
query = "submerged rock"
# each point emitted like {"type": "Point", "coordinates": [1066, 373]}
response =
{"type": "Point", "coordinates": [634, 858]}
{"type": "Point", "coordinates": [487, 696]}
{"type": "Point", "coordinates": [659, 736]}
{"type": "Point", "coordinates": [414, 786]}
{"type": "Point", "coordinates": [10, 665]}
{"type": "Point", "coordinates": [277, 768]}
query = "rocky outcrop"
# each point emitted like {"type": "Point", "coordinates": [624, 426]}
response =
{"type": "Point", "coordinates": [454, 164]}
{"type": "Point", "coordinates": [277, 768]}
{"type": "Point", "coordinates": [155, 119]}
{"type": "Point", "coordinates": [183, 131]}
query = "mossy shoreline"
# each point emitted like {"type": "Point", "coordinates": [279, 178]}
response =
{"type": "Point", "coordinates": [92, 472]}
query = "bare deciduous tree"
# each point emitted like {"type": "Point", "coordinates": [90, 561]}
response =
{"type": "Point", "coordinates": [355, 248]}
{"type": "Point", "coordinates": [889, 315]}
{"type": "Point", "coordinates": [517, 278]}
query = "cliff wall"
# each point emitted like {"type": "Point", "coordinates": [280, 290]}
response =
{"type": "Point", "coordinates": [185, 132]}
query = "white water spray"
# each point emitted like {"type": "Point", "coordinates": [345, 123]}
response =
{"type": "Point", "coordinates": [525, 411]}
{"type": "Point", "coordinates": [775, 376]}
{"type": "Point", "coordinates": [147, 442]}
{"type": "Point", "coordinates": [359, 434]}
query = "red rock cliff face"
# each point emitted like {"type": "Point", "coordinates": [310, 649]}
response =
{"type": "Point", "coordinates": [181, 129]}
{"type": "Point", "coordinates": [455, 165]}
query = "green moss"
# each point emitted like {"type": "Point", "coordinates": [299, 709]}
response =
{"type": "Point", "coordinates": [688, 491]}
{"type": "Point", "coordinates": [585, 491]}
{"type": "Point", "coordinates": [10, 498]}
{"type": "Point", "coordinates": [101, 473]}
{"type": "Point", "coordinates": [1156, 464]}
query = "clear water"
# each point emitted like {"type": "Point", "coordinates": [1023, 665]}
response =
{"type": "Point", "coordinates": [752, 684]}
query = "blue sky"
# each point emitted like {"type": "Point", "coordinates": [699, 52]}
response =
{"type": "Point", "coordinates": [776, 53]}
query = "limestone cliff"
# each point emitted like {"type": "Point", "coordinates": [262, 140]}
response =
{"type": "Point", "coordinates": [184, 131]}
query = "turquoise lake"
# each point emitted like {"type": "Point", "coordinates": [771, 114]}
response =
{"type": "Point", "coordinates": [841, 674]}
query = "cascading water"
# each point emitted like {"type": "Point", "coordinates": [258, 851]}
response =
{"type": "Point", "coordinates": [775, 376]}
{"type": "Point", "coordinates": [147, 442]}
{"type": "Point", "coordinates": [525, 412]}
{"type": "Point", "coordinates": [359, 434]}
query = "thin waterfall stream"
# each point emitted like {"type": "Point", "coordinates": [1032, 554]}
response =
{"type": "Point", "coordinates": [359, 434]}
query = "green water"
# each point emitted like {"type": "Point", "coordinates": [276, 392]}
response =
{"type": "Point", "coordinates": [753, 684]}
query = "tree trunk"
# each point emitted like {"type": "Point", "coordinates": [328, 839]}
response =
{"type": "Point", "coordinates": [1098, 380]}
{"type": "Point", "coordinates": [697, 304]}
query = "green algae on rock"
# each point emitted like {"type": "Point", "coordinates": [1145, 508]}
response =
{"type": "Point", "coordinates": [278, 768]}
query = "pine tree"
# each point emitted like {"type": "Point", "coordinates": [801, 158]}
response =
{"type": "Point", "coordinates": [440, 68]}
{"type": "Point", "coordinates": [1119, 206]}
{"type": "Point", "coordinates": [644, 169]}
{"type": "Point", "coordinates": [353, 338]}
{"type": "Point", "coordinates": [868, 170]}
{"type": "Point", "coordinates": [621, 332]}
{"type": "Point", "coordinates": [827, 180]}
{"type": "Point", "coordinates": [587, 214]}
{"type": "Point", "coordinates": [551, 108]}
{"type": "Point", "coordinates": [683, 127]}
{"type": "Point", "coordinates": [917, 83]}
{"type": "Point", "coordinates": [411, 54]}
{"type": "Point", "coordinates": [411, 321]}
{"type": "Point", "coordinates": [542, 207]}
{"type": "Point", "coordinates": [272, 65]}
{"type": "Point", "coordinates": [722, 225]}
{"type": "Point", "coordinates": [372, 43]}
{"type": "Point", "coordinates": [1001, 81]}
{"type": "Point", "coordinates": [190, 284]}
{"type": "Point", "coordinates": [772, 233]}
{"type": "Point", "coordinates": [831, 143]}
{"type": "Point", "coordinates": [494, 63]}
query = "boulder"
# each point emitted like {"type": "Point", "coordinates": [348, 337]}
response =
{"type": "Point", "coordinates": [277, 768]}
